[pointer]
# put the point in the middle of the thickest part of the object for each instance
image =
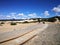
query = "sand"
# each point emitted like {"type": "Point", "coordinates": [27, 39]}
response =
{"type": "Point", "coordinates": [7, 27]}
{"type": "Point", "coordinates": [50, 36]}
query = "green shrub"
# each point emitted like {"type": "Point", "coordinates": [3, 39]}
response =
{"type": "Point", "coordinates": [13, 23]}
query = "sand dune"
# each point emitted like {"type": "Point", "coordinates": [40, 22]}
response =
{"type": "Point", "coordinates": [7, 27]}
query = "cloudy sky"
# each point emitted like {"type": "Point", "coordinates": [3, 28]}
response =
{"type": "Point", "coordinates": [21, 9]}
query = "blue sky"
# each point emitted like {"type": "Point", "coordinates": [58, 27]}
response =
{"type": "Point", "coordinates": [20, 9]}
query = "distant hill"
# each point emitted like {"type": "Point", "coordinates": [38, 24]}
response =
{"type": "Point", "coordinates": [53, 19]}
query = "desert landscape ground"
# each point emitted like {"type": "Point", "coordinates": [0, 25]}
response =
{"type": "Point", "coordinates": [32, 34]}
{"type": "Point", "coordinates": [50, 36]}
{"type": "Point", "coordinates": [8, 27]}
{"type": "Point", "coordinates": [29, 22]}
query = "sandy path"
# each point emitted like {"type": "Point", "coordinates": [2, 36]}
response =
{"type": "Point", "coordinates": [15, 33]}
{"type": "Point", "coordinates": [50, 36]}
{"type": "Point", "coordinates": [36, 29]}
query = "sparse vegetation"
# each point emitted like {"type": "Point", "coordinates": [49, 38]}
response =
{"type": "Point", "coordinates": [26, 22]}
{"type": "Point", "coordinates": [2, 23]}
{"type": "Point", "coordinates": [13, 23]}
{"type": "Point", "coordinates": [52, 20]}
{"type": "Point", "coordinates": [39, 20]}
{"type": "Point", "coordinates": [43, 22]}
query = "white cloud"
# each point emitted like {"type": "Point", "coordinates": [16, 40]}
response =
{"type": "Point", "coordinates": [8, 16]}
{"type": "Point", "coordinates": [13, 15]}
{"type": "Point", "coordinates": [46, 13]}
{"type": "Point", "coordinates": [56, 9]}
{"type": "Point", "coordinates": [26, 17]}
{"type": "Point", "coordinates": [20, 14]}
{"type": "Point", "coordinates": [39, 17]}
{"type": "Point", "coordinates": [2, 16]}
{"type": "Point", "coordinates": [32, 15]}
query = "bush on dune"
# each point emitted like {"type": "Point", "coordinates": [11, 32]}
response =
{"type": "Point", "coordinates": [2, 23]}
{"type": "Point", "coordinates": [26, 22]}
{"type": "Point", "coordinates": [13, 23]}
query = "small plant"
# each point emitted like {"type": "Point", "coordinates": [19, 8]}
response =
{"type": "Point", "coordinates": [13, 23]}
{"type": "Point", "coordinates": [39, 20]}
{"type": "Point", "coordinates": [43, 22]}
{"type": "Point", "coordinates": [2, 22]}
{"type": "Point", "coordinates": [26, 22]}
